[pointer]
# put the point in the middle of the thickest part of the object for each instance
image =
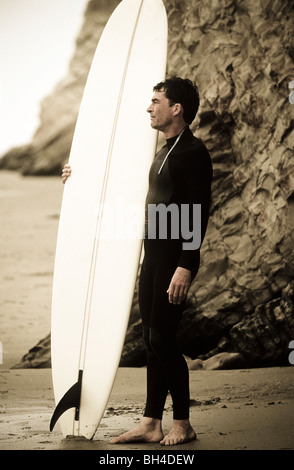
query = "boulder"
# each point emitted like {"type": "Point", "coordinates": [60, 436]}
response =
{"type": "Point", "coordinates": [223, 360]}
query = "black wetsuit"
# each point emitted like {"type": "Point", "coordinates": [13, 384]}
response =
{"type": "Point", "coordinates": [185, 179]}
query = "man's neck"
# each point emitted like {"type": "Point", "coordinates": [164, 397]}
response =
{"type": "Point", "coordinates": [174, 130]}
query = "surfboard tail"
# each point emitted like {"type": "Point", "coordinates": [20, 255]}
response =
{"type": "Point", "coordinates": [71, 399]}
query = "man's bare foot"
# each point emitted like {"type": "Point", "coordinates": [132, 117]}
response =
{"type": "Point", "coordinates": [180, 433]}
{"type": "Point", "coordinates": [149, 430]}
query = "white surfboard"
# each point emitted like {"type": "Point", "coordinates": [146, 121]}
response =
{"type": "Point", "coordinates": [97, 257]}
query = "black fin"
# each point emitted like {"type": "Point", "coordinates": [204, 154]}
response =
{"type": "Point", "coordinates": [71, 399]}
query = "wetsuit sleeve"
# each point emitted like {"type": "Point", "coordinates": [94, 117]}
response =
{"type": "Point", "coordinates": [197, 179]}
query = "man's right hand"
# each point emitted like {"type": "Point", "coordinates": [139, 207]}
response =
{"type": "Point", "coordinates": [66, 172]}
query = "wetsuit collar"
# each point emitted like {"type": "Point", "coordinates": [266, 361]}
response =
{"type": "Point", "coordinates": [176, 140]}
{"type": "Point", "coordinates": [171, 141]}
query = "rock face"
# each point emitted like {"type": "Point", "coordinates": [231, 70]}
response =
{"type": "Point", "coordinates": [240, 53]}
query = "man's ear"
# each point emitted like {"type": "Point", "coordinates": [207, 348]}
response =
{"type": "Point", "coordinates": [177, 109]}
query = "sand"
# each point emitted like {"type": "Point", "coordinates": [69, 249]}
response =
{"type": "Point", "coordinates": [29, 213]}
{"type": "Point", "coordinates": [250, 409]}
{"type": "Point", "coordinates": [231, 410]}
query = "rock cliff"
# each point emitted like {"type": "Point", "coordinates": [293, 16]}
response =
{"type": "Point", "coordinates": [240, 53]}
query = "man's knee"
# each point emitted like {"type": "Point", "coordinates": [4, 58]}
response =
{"type": "Point", "coordinates": [155, 340]}
{"type": "Point", "coordinates": [152, 338]}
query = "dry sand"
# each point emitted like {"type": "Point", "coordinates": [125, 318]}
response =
{"type": "Point", "coordinates": [236, 409]}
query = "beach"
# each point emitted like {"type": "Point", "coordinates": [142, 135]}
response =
{"type": "Point", "coordinates": [244, 409]}
{"type": "Point", "coordinates": [230, 410]}
{"type": "Point", "coordinates": [29, 213]}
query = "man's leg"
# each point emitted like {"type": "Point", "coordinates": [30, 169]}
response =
{"type": "Point", "coordinates": [149, 429]}
{"type": "Point", "coordinates": [174, 368]}
{"type": "Point", "coordinates": [157, 388]}
{"type": "Point", "coordinates": [160, 321]}
{"type": "Point", "coordinates": [164, 321]}
{"type": "Point", "coordinates": [166, 363]}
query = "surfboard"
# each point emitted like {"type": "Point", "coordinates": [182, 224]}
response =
{"type": "Point", "coordinates": [100, 232]}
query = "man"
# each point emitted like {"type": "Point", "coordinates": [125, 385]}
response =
{"type": "Point", "coordinates": [180, 176]}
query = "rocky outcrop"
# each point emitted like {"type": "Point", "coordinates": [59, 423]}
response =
{"type": "Point", "coordinates": [52, 141]}
{"type": "Point", "coordinates": [241, 54]}
{"type": "Point", "coordinates": [260, 338]}
{"type": "Point", "coordinates": [38, 357]}
{"type": "Point", "coordinates": [275, 325]}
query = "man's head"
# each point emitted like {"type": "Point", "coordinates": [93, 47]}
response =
{"type": "Point", "coordinates": [174, 105]}
{"type": "Point", "coordinates": [182, 91]}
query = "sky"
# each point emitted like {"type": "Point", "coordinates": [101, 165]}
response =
{"type": "Point", "coordinates": [37, 41]}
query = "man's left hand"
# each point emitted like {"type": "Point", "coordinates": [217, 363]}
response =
{"type": "Point", "coordinates": [179, 285]}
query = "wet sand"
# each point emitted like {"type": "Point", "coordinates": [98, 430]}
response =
{"type": "Point", "coordinates": [230, 410]}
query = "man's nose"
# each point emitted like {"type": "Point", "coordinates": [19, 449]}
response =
{"type": "Point", "coordinates": [149, 109]}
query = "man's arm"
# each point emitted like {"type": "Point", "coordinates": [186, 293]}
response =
{"type": "Point", "coordinates": [197, 180]}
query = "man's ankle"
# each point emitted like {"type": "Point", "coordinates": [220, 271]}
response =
{"type": "Point", "coordinates": [148, 421]}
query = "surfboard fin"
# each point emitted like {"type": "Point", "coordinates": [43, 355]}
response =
{"type": "Point", "coordinates": [71, 399]}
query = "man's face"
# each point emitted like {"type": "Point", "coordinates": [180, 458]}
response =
{"type": "Point", "coordinates": [160, 111]}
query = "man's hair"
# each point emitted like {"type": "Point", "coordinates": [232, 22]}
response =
{"type": "Point", "coordinates": [183, 91]}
